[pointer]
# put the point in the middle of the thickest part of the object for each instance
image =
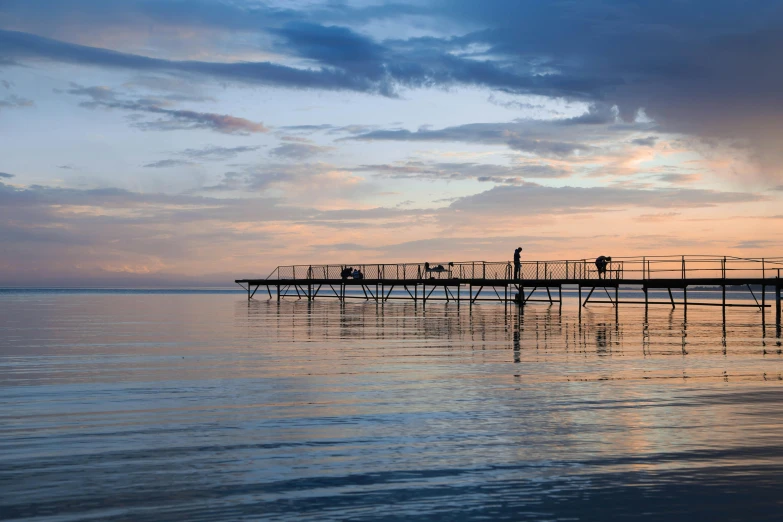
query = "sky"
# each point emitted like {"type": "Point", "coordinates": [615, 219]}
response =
{"type": "Point", "coordinates": [171, 142]}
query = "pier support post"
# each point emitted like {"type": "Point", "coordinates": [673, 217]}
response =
{"type": "Point", "coordinates": [777, 308]}
{"type": "Point", "coordinates": [671, 297]}
{"type": "Point", "coordinates": [588, 296]}
{"type": "Point", "coordinates": [685, 303]}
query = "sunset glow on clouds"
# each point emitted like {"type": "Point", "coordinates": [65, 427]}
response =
{"type": "Point", "coordinates": [184, 141]}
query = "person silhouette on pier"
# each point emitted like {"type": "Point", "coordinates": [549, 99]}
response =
{"type": "Point", "coordinates": [600, 264]}
{"type": "Point", "coordinates": [517, 263]}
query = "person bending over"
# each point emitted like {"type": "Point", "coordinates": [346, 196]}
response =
{"type": "Point", "coordinates": [600, 264]}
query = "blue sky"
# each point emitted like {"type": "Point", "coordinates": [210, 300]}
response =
{"type": "Point", "coordinates": [171, 141]}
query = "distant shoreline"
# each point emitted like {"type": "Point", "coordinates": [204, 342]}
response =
{"type": "Point", "coordinates": [207, 290]}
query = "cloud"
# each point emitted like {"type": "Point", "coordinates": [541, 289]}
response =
{"type": "Point", "coordinates": [168, 163]}
{"type": "Point", "coordinates": [756, 244]}
{"type": "Point", "coordinates": [515, 104]}
{"type": "Point", "coordinates": [169, 88]}
{"type": "Point", "coordinates": [679, 178]}
{"type": "Point", "coordinates": [531, 199]}
{"type": "Point", "coordinates": [649, 141]}
{"type": "Point", "coordinates": [335, 47]}
{"type": "Point", "coordinates": [657, 217]}
{"type": "Point", "coordinates": [330, 129]}
{"type": "Point", "coordinates": [708, 73]}
{"type": "Point", "coordinates": [299, 151]}
{"type": "Point", "coordinates": [15, 102]}
{"type": "Point", "coordinates": [345, 60]}
{"type": "Point", "coordinates": [543, 138]}
{"type": "Point", "coordinates": [97, 18]}
{"type": "Point", "coordinates": [5, 175]}
{"type": "Point", "coordinates": [48, 230]}
{"type": "Point", "coordinates": [182, 119]}
{"type": "Point", "coordinates": [319, 181]}
{"type": "Point", "coordinates": [172, 119]}
{"type": "Point", "coordinates": [16, 45]}
{"type": "Point", "coordinates": [461, 171]}
{"type": "Point", "coordinates": [217, 153]}
{"type": "Point", "coordinates": [308, 128]}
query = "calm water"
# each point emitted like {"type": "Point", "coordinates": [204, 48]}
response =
{"type": "Point", "coordinates": [118, 406]}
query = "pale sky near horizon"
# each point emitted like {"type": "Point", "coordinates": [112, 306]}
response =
{"type": "Point", "coordinates": [164, 140]}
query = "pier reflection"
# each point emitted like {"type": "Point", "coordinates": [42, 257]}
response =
{"type": "Point", "coordinates": [533, 333]}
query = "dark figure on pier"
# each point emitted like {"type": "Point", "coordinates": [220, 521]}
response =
{"type": "Point", "coordinates": [357, 274]}
{"type": "Point", "coordinates": [517, 263]}
{"type": "Point", "coordinates": [428, 269]}
{"type": "Point", "coordinates": [600, 264]}
{"type": "Point", "coordinates": [346, 272]}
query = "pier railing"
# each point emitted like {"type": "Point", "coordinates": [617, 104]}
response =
{"type": "Point", "coordinates": [626, 268]}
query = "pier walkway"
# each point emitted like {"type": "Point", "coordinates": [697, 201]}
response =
{"type": "Point", "coordinates": [472, 281]}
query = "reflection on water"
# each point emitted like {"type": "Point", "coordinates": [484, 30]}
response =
{"type": "Point", "coordinates": [161, 407]}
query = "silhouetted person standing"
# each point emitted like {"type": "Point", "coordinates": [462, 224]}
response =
{"type": "Point", "coordinates": [517, 263]}
{"type": "Point", "coordinates": [600, 264]}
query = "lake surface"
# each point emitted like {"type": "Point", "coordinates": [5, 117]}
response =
{"type": "Point", "coordinates": [202, 406]}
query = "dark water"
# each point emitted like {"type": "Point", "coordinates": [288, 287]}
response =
{"type": "Point", "coordinates": [204, 407]}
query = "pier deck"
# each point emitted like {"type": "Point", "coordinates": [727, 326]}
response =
{"type": "Point", "coordinates": [471, 281]}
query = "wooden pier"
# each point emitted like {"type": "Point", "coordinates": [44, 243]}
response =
{"type": "Point", "coordinates": [473, 281]}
